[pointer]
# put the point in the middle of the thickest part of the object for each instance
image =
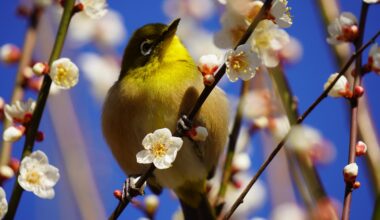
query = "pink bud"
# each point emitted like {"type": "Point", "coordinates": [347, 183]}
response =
{"type": "Point", "coordinates": [198, 133]}
{"type": "Point", "coordinates": [10, 53]}
{"type": "Point", "coordinates": [208, 79]}
{"type": "Point", "coordinates": [358, 91]}
{"type": "Point", "coordinates": [361, 148]}
{"type": "Point", "coordinates": [117, 194]}
{"type": "Point", "coordinates": [356, 185]}
{"type": "Point", "coordinates": [350, 172]}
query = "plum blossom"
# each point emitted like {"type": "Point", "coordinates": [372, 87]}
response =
{"type": "Point", "coordinates": [280, 12]}
{"type": "Point", "coordinates": [3, 203]}
{"type": "Point", "coordinates": [340, 89]}
{"type": "Point", "coordinates": [343, 29]}
{"type": "Point", "coordinates": [108, 31]}
{"type": "Point", "coordinates": [242, 63]}
{"type": "Point", "coordinates": [94, 8]}
{"type": "Point", "coordinates": [160, 149]}
{"type": "Point", "coordinates": [64, 73]}
{"type": "Point", "coordinates": [20, 112]}
{"type": "Point", "coordinates": [268, 40]}
{"type": "Point", "coordinates": [100, 71]}
{"type": "Point", "coordinates": [37, 175]}
{"type": "Point", "coordinates": [13, 133]}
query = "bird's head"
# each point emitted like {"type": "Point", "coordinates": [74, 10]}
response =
{"type": "Point", "coordinates": [152, 43]}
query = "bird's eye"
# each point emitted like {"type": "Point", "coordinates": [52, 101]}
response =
{"type": "Point", "coordinates": [146, 47]}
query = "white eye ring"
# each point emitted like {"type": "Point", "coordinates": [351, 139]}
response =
{"type": "Point", "coordinates": [146, 47]}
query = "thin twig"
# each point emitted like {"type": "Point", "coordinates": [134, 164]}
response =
{"type": "Point", "coordinates": [18, 89]}
{"type": "Point", "coordinates": [41, 101]}
{"type": "Point", "coordinates": [300, 119]}
{"type": "Point", "coordinates": [201, 99]}
{"type": "Point", "coordinates": [354, 110]}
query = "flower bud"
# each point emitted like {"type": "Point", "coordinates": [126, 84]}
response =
{"type": "Point", "coordinates": [358, 91]}
{"type": "Point", "coordinates": [360, 148]}
{"type": "Point", "coordinates": [356, 185]}
{"type": "Point", "coordinates": [208, 79]}
{"type": "Point", "coordinates": [13, 133]}
{"type": "Point", "coordinates": [151, 203]}
{"type": "Point", "coordinates": [208, 64]}
{"type": "Point", "coordinates": [350, 172]}
{"type": "Point", "coordinates": [40, 68]}
{"type": "Point", "coordinates": [117, 194]}
{"type": "Point", "coordinates": [198, 133]}
{"type": "Point", "coordinates": [10, 53]}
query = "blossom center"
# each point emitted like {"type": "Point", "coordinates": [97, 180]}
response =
{"type": "Point", "coordinates": [238, 62]}
{"type": "Point", "coordinates": [159, 150]}
{"type": "Point", "coordinates": [61, 73]}
{"type": "Point", "coordinates": [33, 177]}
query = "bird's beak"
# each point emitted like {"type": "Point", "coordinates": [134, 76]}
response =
{"type": "Point", "coordinates": [171, 30]}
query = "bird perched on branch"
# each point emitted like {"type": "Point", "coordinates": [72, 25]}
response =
{"type": "Point", "coordinates": [158, 83]}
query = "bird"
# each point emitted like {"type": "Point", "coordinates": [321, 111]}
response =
{"type": "Point", "coordinates": [159, 82]}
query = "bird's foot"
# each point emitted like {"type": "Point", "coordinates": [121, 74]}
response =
{"type": "Point", "coordinates": [184, 125]}
{"type": "Point", "coordinates": [130, 189]}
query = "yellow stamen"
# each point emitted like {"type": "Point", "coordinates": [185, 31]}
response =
{"type": "Point", "coordinates": [159, 150]}
{"type": "Point", "coordinates": [33, 177]}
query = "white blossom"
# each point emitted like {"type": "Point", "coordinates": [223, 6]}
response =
{"type": "Point", "coordinates": [268, 40]}
{"type": "Point", "coordinates": [37, 175]}
{"type": "Point", "coordinates": [288, 211]}
{"type": "Point", "coordinates": [101, 72]}
{"type": "Point", "coordinates": [3, 203]}
{"type": "Point", "coordinates": [160, 149]}
{"type": "Point", "coordinates": [108, 31]}
{"type": "Point", "coordinates": [94, 8]}
{"type": "Point", "coordinates": [340, 89]}
{"type": "Point", "coordinates": [303, 138]}
{"type": "Point", "coordinates": [20, 112]}
{"type": "Point", "coordinates": [241, 161]}
{"type": "Point", "coordinates": [198, 9]}
{"type": "Point", "coordinates": [280, 12]}
{"type": "Point", "coordinates": [13, 133]}
{"type": "Point", "coordinates": [64, 73]}
{"type": "Point", "coordinates": [371, 1]}
{"type": "Point", "coordinates": [374, 58]}
{"type": "Point", "coordinates": [242, 63]}
{"type": "Point", "coordinates": [343, 29]}
{"type": "Point", "coordinates": [279, 127]}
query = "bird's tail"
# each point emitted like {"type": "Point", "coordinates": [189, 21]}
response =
{"type": "Point", "coordinates": [195, 206]}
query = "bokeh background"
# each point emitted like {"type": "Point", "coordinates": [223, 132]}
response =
{"type": "Point", "coordinates": [71, 122]}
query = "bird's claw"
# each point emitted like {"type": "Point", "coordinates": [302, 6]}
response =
{"type": "Point", "coordinates": [130, 190]}
{"type": "Point", "coordinates": [184, 125]}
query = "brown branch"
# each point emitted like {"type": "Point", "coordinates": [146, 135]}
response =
{"type": "Point", "coordinates": [41, 101]}
{"type": "Point", "coordinates": [354, 110]}
{"type": "Point", "coordinates": [18, 89]}
{"type": "Point", "coordinates": [300, 119]}
{"type": "Point", "coordinates": [201, 99]}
